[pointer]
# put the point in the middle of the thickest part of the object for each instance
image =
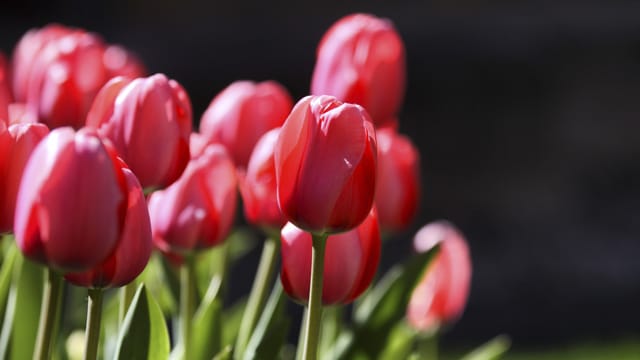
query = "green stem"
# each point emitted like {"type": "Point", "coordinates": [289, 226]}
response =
{"type": "Point", "coordinates": [187, 299]}
{"type": "Point", "coordinates": [301, 336]}
{"type": "Point", "coordinates": [258, 295]}
{"type": "Point", "coordinates": [428, 346]}
{"type": "Point", "coordinates": [315, 297]}
{"type": "Point", "coordinates": [49, 310]}
{"type": "Point", "coordinates": [126, 296]}
{"type": "Point", "coordinates": [94, 317]}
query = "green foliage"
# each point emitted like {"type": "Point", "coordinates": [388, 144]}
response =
{"type": "Point", "coordinates": [271, 331]}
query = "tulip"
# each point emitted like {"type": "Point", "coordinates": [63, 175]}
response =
{"type": "Point", "coordinates": [242, 113]}
{"type": "Point", "coordinates": [149, 122]}
{"type": "Point", "coordinates": [350, 263]}
{"type": "Point", "coordinates": [441, 294]}
{"type": "Point", "coordinates": [5, 91]}
{"type": "Point", "coordinates": [16, 145]}
{"type": "Point", "coordinates": [325, 161]}
{"type": "Point", "coordinates": [361, 60]}
{"type": "Point", "coordinates": [72, 201]}
{"type": "Point", "coordinates": [197, 210]}
{"type": "Point", "coordinates": [398, 182]}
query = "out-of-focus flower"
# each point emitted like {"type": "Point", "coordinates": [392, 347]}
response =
{"type": "Point", "coordinates": [149, 122]}
{"type": "Point", "coordinates": [197, 210]}
{"type": "Point", "coordinates": [441, 294]}
{"type": "Point", "coordinates": [5, 90]}
{"type": "Point", "coordinates": [361, 60]}
{"type": "Point", "coordinates": [72, 201]}
{"type": "Point", "coordinates": [239, 115]}
{"type": "Point", "coordinates": [325, 162]}
{"type": "Point", "coordinates": [351, 261]}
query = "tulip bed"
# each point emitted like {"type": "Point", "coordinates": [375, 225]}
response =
{"type": "Point", "coordinates": [111, 201]}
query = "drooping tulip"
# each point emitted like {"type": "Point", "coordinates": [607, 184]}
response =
{"type": "Point", "coordinates": [242, 113]}
{"type": "Point", "coordinates": [351, 261]}
{"type": "Point", "coordinates": [149, 122]}
{"type": "Point", "coordinates": [197, 210]}
{"type": "Point", "coordinates": [132, 253]}
{"type": "Point", "coordinates": [398, 180]}
{"type": "Point", "coordinates": [326, 165]}
{"type": "Point", "coordinates": [16, 145]}
{"type": "Point", "coordinates": [361, 60]}
{"type": "Point", "coordinates": [441, 295]}
{"type": "Point", "coordinates": [5, 90]}
{"type": "Point", "coordinates": [72, 201]}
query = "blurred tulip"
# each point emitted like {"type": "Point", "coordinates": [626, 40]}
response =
{"type": "Point", "coordinates": [134, 247]}
{"type": "Point", "coordinates": [5, 90]}
{"type": "Point", "coordinates": [258, 185]}
{"type": "Point", "coordinates": [325, 162]}
{"type": "Point", "coordinates": [149, 122]}
{"type": "Point", "coordinates": [242, 113]}
{"type": "Point", "coordinates": [398, 182]}
{"type": "Point", "coordinates": [16, 145]}
{"type": "Point", "coordinates": [72, 201]}
{"type": "Point", "coordinates": [197, 210]}
{"type": "Point", "coordinates": [361, 60]}
{"type": "Point", "coordinates": [441, 295]}
{"type": "Point", "coordinates": [351, 261]}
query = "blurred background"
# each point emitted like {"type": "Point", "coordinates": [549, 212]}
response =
{"type": "Point", "coordinates": [526, 113]}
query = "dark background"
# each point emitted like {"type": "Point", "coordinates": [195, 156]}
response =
{"type": "Point", "coordinates": [526, 114]}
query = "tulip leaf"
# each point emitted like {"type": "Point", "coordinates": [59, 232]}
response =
{"type": "Point", "coordinates": [144, 332]}
{"type": "Point", "coordinates": [6, 272]}
{"type": "Point", "coordinates": [400, 342]}
{"type": "Point", "coordinates": [207, 329]}
{"type": "Point", "coordinates": [225, 354]}
{"type": "Point", "coordinates": [231, 319]}
{"type": "Point", "coordinates": [271, 331]}
{"type": "Point", "coordinates": [494, 349]}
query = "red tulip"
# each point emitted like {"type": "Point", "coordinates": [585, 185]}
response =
{"type": "Point", "coordinates": [361, 60]}
{"type": "Point", "coordinates": [326, 165]}
{"type": "Point", "coordinates": [441, 295]}
{"type": "Point", "coordinates": [5, 91]}
{"type": "Point", "coordinates": [16, 145]}
{"type": "Point", "coordinates": [241, 113]}
{"type": "Point", "coordinates": [398, 180]}
{"type": "Point", "coordinates": [132, 253]}
{"type": "Point", "coordinates": [258, 185]}
{"type": "Point", "coordinates": [149, 122]}
{"type": "Point", "coordinates": [197, 210]}
{"type": "Point", "coordinates": [72, 201]}
{"type": "Point", "coordinates": [350, 262]}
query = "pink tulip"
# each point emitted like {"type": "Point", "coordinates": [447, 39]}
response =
{"type": "Point", "coordinates": [361, 60]}
{"type": "Point", "coordinates": [197, 210]}
{"type": "Point", "coordinates": [5, 91]}
{"type": "Point", "coordinates": [398, 184]}
{"type": "Point", "coordinates": [326, 165]}
{"type": "Point", "coordinates": [149, 122]}
{"type": "Point", "coordinates": [72, 201]}
{"type": "Point", "coordinates": [351, 261]}
{"type": "Point", "coordinates": [441, 295]}
{"type": "Point", "coordinates": [241, 113]}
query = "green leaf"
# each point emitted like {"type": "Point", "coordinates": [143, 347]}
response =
{"type": "Point", "coordinates": [492, 350]}
{"type": "Point", "coordinates": [400, 342]}
{"type": "Point", "coordinates": [225, 354]}
{"type": "Point", "coordinates": [5, 276]}
{"type": "Point", "coordinates": [206, 336]}
{"type": "Point", "coordinates": [271, 331]}
{"type": "Point", "coordinates": [231, 319]}
{"type": "Point", "coordinates": [160, 279]}
{"type": "Point", "coordinates": [144, 332]}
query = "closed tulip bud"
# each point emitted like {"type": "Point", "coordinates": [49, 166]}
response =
{"type": "Point", "coordinates": [441, 294]}
{"type": "Point", "coordinates": [351, 261]}
{"type": "Point", "coordinates": [258, 185]}
{"type": "Point", "coordinates": [5, 91]}
{"type": "Point", "coordinates": [149, 122]}
{"type": "Point", "coordinates": [361, 60]}
{"type": "Point", "coordinates": [241, 113]}
{"type": "Point", "coordinates": [196, 211]}
{"type": "Point", "coordinates": [326, 165]}
{"type": "Point", "coordinates": [398, 180]}
{"type": "Point", "coordinates": [16, 145]}
{"type": "Point", "coordinates": [132, 253]}
{"type": "Point", "coordinates": [72, 201]}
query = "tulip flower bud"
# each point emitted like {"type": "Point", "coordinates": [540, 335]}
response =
{"type": "Point", "coordinates": [197, 210]}
{"type": "Point", "coordinates": [241, 113]}
{"type": "Point", "coordinates": [325, 162]}
{"type": "Point", "coordinates": [398, 180]}
{"type": "Point", "coordinates": [132, 253]}
{"type": "Point", "coordinates": [351, 261]}
{"type": "Point", "coordinates": [258, 185]}
{"type": "Point", "coordinates": [441, 295]}
{"type": "Point", "coordinates": [16, 145]}
{"type": "Point", "coordinates": [71, 202]}
{"type": "Point", "coordinates": [361, 60]}
{"type": "Point", "coordinates": [5, 91]}
{"type": "Point", "coordinates": [149, 122]}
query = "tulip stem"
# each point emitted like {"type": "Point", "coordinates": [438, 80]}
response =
{"type": "Point", "coordinates": [126, 296]}
{"type": "Point", "coordinates": [187, 299]}
{"type": "Point", "coordinates": [314, 309]}
{"type": "Point", "coordinates": [258, 295]}
{"type": "Point", "coordinates": [428, 346]}
{"type": "Point", "coordinates": [94, 317]}
{"type": "Point", "coordinates": [49, 311]}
